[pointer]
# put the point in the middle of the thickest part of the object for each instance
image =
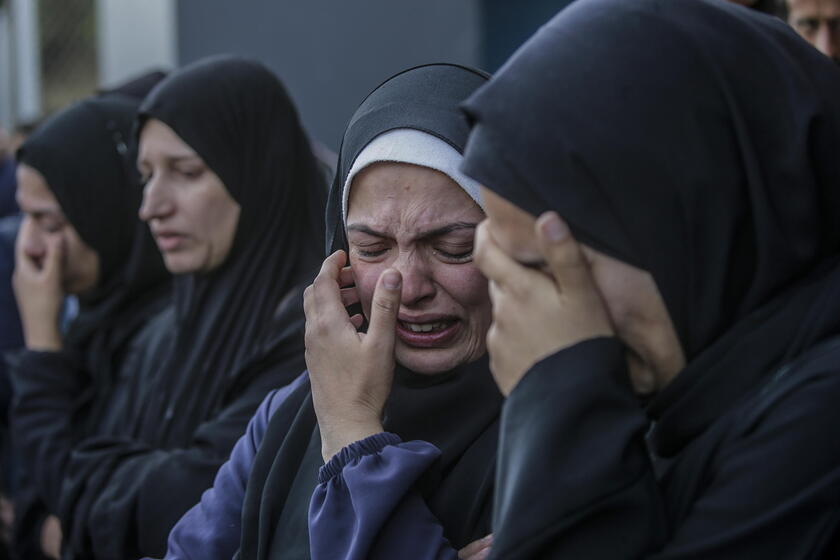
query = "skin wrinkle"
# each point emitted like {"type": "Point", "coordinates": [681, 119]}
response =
{"type": "Point", "coordinates": [432, 284]}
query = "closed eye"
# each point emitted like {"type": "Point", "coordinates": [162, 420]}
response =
{"type": "Point", "coordinates": [370, 253]}
{"type": "Point", "coordinates": [460, 257]}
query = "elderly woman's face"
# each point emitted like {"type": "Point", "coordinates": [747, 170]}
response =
{"type": "Point", "coordinates": [420, 222]}
{"type": "Point", "coordinates": [192, 216]}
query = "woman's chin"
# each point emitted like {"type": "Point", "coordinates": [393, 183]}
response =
{"type": "Point", "coordinates": [429, 361]}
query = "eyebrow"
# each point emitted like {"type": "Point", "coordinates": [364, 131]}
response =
{"type": "Point", "coordinates": [437, 232]}
{"type": "Point", "coordinates": [174, 159]}
{"type": "Point", "coordinates": [37, 210]}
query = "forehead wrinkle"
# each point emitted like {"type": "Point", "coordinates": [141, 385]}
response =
{"type": "Point", "coordinates": [34, 204]}
{"type": "Point", "coordinates": [414, 224]}
{"type": "Point", "coordinates": [403, 203]}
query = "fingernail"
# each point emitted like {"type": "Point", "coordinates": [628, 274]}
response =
{"type": "Point", "coordinates": [391, 279]}
{"type": "Point", "coordinates": [555, 228]}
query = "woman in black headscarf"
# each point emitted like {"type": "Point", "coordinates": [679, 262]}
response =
{"type": "Point", "coordinates": [80, 193]}
{"type": "Point", "coordinates": [409, 133]}
{"type": "Point", "coordinates": [234, 150]}
{"type": "Point", "coordinates": [707, 270]}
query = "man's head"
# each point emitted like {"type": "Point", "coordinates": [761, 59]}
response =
{"type": "Point", "coordinates": [818, 21]}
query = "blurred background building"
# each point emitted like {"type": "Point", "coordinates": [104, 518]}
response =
{"type": "Point", "coordinates": [329, 53]}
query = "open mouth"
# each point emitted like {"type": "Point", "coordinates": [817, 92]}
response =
{"type": "Point", "coordinates": [426, 327]}
{"type": "Point", "coordinates": [431, 334]}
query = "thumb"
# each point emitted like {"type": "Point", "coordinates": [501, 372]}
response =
{"type": "Point", "coordinates": [562, 253]}
{"type": "Point", "coordinates": [385, 307]}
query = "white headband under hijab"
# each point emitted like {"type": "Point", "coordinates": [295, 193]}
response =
{"type": "Point", "coordinates": [408, 145]}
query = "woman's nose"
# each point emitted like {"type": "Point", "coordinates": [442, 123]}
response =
{"type": "Point", "coordinates": [32, 239]}
{"type": "Point", "coordinates": [418, 283]}
{"type": "Point", "coordinates": [156, 202]}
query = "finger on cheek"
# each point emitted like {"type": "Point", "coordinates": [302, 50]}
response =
{"type": "Point", "coordinates": [386, 304]}
{"type": "Point", "coordinates": [332, 265]}
{"type": "Point", "coordinates": [345, 277]}
{"type": "Point", "coordinates": [349, 296]}
{"type": "Point", "coordinates": [562, 253]}
{"type": "Point", "coordinates": [492, 262]}
{"type": "Point", "coordinates": [480, 242]}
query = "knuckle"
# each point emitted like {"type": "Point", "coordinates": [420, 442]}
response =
{"type": "Point", "coordinates": [385, 304]}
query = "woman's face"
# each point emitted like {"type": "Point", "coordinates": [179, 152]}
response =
{"type": "Point", "coordinates": [635, 306]}
{"type": "Point", "coordinates": [43, 218]}
{"type": "Point", "coordinates": [420, 222]}
{"type": "Point", "coordinates": [190, 212]}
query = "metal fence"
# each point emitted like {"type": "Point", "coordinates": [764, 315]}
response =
{"type": "Point", "coordinates": [67, 30]}
{"type": "Point", "coordinates": [48, 56]}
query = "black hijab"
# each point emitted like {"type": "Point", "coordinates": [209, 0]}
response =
{"type": "Point", "coordinates": [239, 119]}
{"type": "Point", "coordinates": [86, 156]}
{"type": "Point", "coordinates": [695, 140]}
{"type": "Point", "coordinates": [456, 410]}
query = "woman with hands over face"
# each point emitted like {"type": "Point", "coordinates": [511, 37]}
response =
{"type": "Point", "coordinates": [80, 235]}
{"type": "Point", "coordinates": [685, 256]}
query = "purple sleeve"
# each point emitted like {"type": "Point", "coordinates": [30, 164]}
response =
{"type": "Point", "coordinates": [211, 529]}
{"type": "Point", "coordinates": [366, 507]}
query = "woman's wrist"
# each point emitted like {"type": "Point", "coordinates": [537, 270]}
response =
{"type": "Point", "coordinates": [43, 338]}
{"type": "Point", "coordinates": [338, 435]}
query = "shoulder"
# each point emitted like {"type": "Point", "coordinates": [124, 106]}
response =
{"type": "Point", "coordinates": [272, 403]}
{"type": "Point", "coordinates": [799, 404]}
{"type": "Point", "coordinates": [812, 378]}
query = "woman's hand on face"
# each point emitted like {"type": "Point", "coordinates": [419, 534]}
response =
{"type": "Point", "coordinates": [350, 372]}
{"type": "Point", "coordinates": [538, 312]}
{"type": "Point", "coordinates": [38, 291]}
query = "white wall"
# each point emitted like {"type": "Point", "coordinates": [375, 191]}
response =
{"type": "Point", "coordinates": [6, 107]}
{"type": "Point", "coordinates": [20, 62]}
{"type": "Point", "coordinates": [135, 36]}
